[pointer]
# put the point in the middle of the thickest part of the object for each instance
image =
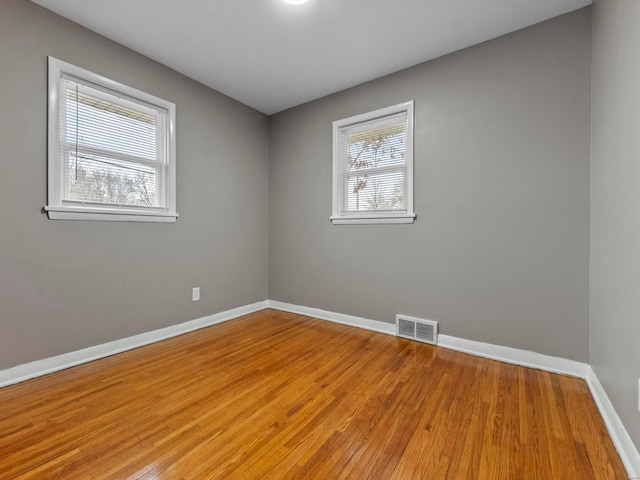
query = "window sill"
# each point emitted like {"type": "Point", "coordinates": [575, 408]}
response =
{"type": "Point", "coordinates": [109, 215]}
{"type": "Point", "coordinates": [373, 219]}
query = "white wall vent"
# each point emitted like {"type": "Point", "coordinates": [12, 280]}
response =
{"type": "Point", "coordinates": [417, 329]}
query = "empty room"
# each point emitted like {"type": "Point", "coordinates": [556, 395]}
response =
{"type": "Point", "coordinates": [321, 239]}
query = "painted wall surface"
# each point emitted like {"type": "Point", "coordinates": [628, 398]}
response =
{"type": "Point", "coordinates": [68, 285]}
{"type": "Point", "coordinates": [615, 206]}
{"type": "Point", "coordinates": [500, 250]}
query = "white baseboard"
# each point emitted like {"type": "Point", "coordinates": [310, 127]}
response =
{"type": "Point", "coordinates": [626, 449]}
{"type": "Point", "coordinates": [515, 356]}
{"type": "Point", "coordinates": [38, 368]}
{"type": "Point", "coordinates": [367, 324]}
{"type": "Point", "coordinates": [619, 436]}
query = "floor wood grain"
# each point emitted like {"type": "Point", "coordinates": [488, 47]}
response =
{"type": "Point", "coordinates": [275, 395]}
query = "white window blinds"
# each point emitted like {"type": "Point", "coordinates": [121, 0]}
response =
{"type": "Point", "coordinates": [112, 150]}
{"type": "Point", "coordinates": [373, 165]}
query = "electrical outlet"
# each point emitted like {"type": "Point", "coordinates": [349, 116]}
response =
{"type": "Point", "coordinates": [195, 294]}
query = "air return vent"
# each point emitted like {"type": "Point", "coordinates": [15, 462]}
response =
{"type": "Point", "coordinates": [416, 329]}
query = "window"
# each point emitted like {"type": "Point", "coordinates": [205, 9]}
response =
{"type": "Point", "coordinates": [111, 150]}
{"type": "Point", "coordinates": [373, 167]}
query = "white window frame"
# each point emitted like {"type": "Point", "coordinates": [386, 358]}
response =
{"type": "Point", "coordinates": [56, 208]}
{"type": "Point", "coordinates": [406, 216]}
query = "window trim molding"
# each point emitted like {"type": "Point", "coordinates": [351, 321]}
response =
{"type": "Point", "coordinates": [55, 208]}
{"type": "Point", "coordinates": [375, 217]}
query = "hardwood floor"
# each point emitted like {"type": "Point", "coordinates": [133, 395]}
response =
{"type": "Point", "coordinates": [275, 395]}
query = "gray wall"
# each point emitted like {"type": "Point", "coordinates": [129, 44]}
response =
{"type": "Point", "coordinates": [499, 252]}
{"type": "Point", "coordinates": [68, 285]}
{"type": "Point", "coordinates": [615, 206]}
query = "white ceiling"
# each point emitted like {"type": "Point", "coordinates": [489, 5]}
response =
{"type": "Point", "coordinates": [273, 56]}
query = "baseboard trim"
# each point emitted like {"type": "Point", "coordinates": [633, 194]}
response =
{"type": "Point", "coordinates": [619, 435]}
{"type": "Point", "coordinates": [515, 356]}
{"type": "Point", "coordinates": [367, 324]}
{"type": "Point", "coordinates": [626, 449]}
{"type": "Point", "coordinates": [26, 371]}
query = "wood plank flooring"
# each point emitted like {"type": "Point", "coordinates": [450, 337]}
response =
{"type": "Point", "coordinates": [275, 395]}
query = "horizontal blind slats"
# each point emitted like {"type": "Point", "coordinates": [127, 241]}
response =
{"type": "Point", "coordinates": [112, 150]}
{"type": "Point", "coordinates": [372, 165]}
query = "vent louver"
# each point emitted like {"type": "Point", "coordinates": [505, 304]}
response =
{"type": "Point", "coordinates": [417, 329]}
